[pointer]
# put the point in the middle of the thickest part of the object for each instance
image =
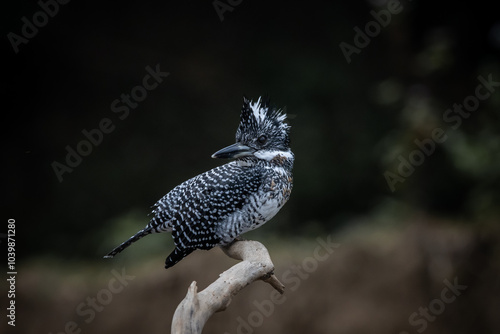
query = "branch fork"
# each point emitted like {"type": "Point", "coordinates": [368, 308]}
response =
{"type": "Point", "coordinates": [197, 307]}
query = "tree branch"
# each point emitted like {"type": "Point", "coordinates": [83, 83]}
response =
{"type": "Point", "coordinates": [196, 308]}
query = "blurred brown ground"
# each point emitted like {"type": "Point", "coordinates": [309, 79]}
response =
{"type": "Point", "coordinates": [369, 284]}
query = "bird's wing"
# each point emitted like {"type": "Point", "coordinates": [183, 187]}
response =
{"type": "Point", "coordinates": [193, 209]}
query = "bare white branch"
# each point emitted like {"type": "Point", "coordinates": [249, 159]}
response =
{"type": "Point", "coordinates": [196, 308]}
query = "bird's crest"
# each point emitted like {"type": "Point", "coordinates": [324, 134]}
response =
{"type": "Point", "coordinates": [261, 118]}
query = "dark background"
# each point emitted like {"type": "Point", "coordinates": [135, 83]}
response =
{"type": "Point", "coordinates": [350, 121]}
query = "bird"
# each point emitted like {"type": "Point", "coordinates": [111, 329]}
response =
{"type": "Point", "coordinates": [214, 208]}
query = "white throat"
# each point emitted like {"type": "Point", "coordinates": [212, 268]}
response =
{"type": "Point", "coordinates": [270, 155]}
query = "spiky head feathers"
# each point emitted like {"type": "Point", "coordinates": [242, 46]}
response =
{"type": "Point", "coordinates": [262, 126]}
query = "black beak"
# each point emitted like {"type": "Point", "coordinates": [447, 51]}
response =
{"type": "Point", "coordinates": [234, 151]}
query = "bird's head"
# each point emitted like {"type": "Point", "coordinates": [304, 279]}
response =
{"type": "Point", "coordinates": [262, 134]}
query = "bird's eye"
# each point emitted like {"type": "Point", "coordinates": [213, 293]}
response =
{"type": "Point", "coordinates": [262, 140]}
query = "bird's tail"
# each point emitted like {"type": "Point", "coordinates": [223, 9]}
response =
{"type": "Point", "coordinates": [127, 243]}
{"type": "Point", "coordinates": [177, 255]}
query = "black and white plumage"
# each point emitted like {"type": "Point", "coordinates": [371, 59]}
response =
{"type": "Point", "coordinates": [215, 207]}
